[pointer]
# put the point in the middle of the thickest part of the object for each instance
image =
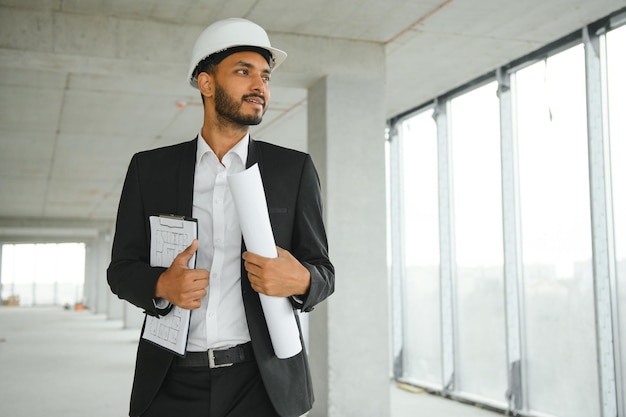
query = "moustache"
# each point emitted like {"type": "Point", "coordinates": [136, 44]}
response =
{"type": "Point", "coordinates": [260, 98]}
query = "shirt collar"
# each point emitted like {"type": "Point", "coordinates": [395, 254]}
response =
{"type": "Point", "coordinates": [240, 149]}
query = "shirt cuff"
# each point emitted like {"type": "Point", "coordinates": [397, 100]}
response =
{"type": "Point", "coordinates": [297, 300]}
{"type": "Point", "coordinates": [162, 306]}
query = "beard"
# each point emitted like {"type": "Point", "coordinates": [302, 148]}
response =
{"type": "Point", "coordinates": [229, 108]}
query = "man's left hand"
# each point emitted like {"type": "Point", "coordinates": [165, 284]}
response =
{"type": "Point", "coordinates": [283, 276]}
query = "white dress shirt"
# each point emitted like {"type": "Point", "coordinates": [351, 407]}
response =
{"type": "Point", "coordinates": [221, 320]}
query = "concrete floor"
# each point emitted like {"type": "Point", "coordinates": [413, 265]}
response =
{"type": "Point", "coordinates": [62, 363]}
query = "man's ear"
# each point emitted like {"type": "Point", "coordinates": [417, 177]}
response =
{"type": "Point", "coordinates": [205, 84]}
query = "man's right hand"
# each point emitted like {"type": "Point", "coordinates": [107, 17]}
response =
{"type": "Point", "coordinates": [180, 285]}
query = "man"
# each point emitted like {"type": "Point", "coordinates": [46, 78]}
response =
{"type": "Point", "coordinates": [231, 66]}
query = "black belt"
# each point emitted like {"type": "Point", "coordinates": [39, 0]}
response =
{"type": "Point", "coordinates": [218, 358]}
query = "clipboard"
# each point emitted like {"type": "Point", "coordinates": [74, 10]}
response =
{"type": "Point", "coordinates": [169, 236]}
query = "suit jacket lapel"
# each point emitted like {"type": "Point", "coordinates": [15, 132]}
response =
{"type": "Point", "coordinates": [253, 158]}
{"type": "Point", "coordinates": [253, 154]}
{"type": "Point", "coordinates": [186, 172]}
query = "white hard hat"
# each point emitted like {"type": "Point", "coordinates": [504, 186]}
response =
{"type": "Point", "coordinates": [229, 33]}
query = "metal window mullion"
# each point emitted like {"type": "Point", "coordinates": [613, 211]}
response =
{"type": "Point", "coordinates": [447, 292]}
{"type": "Point", "coordinates": [398, 269]}
{"type": "Point", "coordinates": [511, 243]}
{"type": "Point", "coordinates": [1, 277]}
{"type": "Point", "coordinates": [600, 222]}
{"type": "Point", "coordinates": [35, 281]}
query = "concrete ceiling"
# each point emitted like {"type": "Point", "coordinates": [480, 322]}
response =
{"type": "Point", "coordinates": [86, 83]}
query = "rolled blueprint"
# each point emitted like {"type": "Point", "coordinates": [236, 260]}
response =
{"type": "Point", "coordinates": [249, 197]}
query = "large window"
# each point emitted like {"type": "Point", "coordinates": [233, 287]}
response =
{"type": "Point", "coordinates": [422, 329]}
{"type": "Point", "coordinates": [556, 236]}
{"type": "Point", "coordinates": [478, 251]}
{"type": "Point", "coordinates": [517, 317]}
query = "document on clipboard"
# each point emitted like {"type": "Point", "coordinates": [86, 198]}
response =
{"type": "Point", "coordinates": [170, 235]}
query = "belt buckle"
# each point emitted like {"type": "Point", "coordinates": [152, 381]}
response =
{"type": "Point", "coordinates": [212, 363]}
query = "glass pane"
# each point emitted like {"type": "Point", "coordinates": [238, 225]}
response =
{"type": "Point", "coordinates": [422, 333]}
{"type": "Point", "coordinates": [43, 274]}
{"type": "Point", "coordinates": [616, 64]}
{"type": "Point", "coordinates": [560, 342]}
{"type": "Point", "coordinates": [481, 339]}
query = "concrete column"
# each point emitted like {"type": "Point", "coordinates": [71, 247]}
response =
{"type": "Point", "coordinates": [104, 293]}
{"type": "Point", "coordinates": [115, 306]}
{"type": "Point", "coordinates": [133, 316]}
{"type": "Point", "coordinates": [349, 333]}
{"type": "Point", "coordinates": [96, 289]}
{"type": "Point", "coordinates": [90, 290]}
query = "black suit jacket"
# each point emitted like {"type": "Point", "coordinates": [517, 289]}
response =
{"type": "Point", "coordinates": [161, 181]}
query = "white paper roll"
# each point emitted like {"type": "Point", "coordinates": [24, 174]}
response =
{"type": "Point", "coordinates": [249, 197]}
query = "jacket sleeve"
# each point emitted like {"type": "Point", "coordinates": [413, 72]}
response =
{"type": "Point", "coordinates": [130, 275]}
{"type": "Point", "coordinates": [309, 243]}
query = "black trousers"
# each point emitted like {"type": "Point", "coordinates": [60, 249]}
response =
{"type": "Point", "coordinates": [233, 391]}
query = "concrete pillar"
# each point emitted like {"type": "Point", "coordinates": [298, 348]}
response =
{"type": "Point", "coordinates": [104, 292]}
{"type": "Point", "coordinates": [349, 333]}
{"type": "Point", "coordinates": [133, 316]}
{"type": "Point", "coordinates": [96, 289]}
{"type": "Point", "coordinates": [90, 290]}
{"type": "Point", "coordinates": [115, 306]}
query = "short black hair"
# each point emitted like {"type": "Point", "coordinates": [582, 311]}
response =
{"type": "Point", "coordinates": [209, 63]}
